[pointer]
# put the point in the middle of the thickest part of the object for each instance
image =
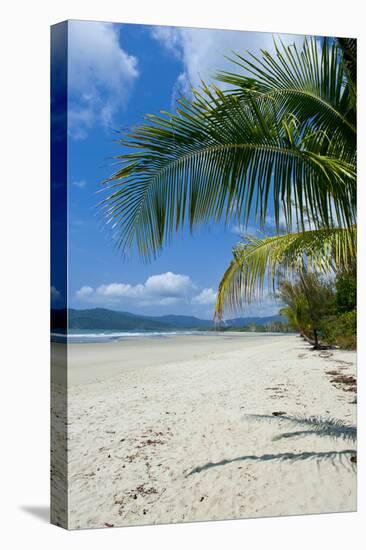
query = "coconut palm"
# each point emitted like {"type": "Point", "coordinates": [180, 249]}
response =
{"type": "Point", "coordinates": [282, 134]}
{"type": "Point", "coordinates": [308, 301]}
{"type": "Point", "coordinates": [325, 248]}
{"type": "Point", "coordinates": [257, 260]}
{"type": "Point", "coordinates": [296, 308]}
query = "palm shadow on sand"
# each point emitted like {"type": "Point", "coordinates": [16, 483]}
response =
{"type": "Point", "coordinates": [328, 427]}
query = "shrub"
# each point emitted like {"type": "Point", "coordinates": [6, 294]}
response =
{"type": "Point", "coordinates": [342, 330]}
{"type": "Point", "coordinates": [346, 293]}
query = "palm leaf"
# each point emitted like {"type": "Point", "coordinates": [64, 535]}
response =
{"type": "Point", "coordinates": [257, 260]}
{"type": "Point", "coordinates": [349, 54]}
{"type": "Point", "coordinates": [223, 158]}
{"type": "Point", "coordinates": [311, 83]}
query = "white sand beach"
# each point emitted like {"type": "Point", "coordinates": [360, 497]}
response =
{"type": "Point", "coordinates": [170, 430]}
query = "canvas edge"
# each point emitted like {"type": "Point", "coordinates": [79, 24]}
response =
{"type": "Point", "coordinates": [59, 276]}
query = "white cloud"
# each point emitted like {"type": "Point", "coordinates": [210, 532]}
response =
{"type": "Point", "coordinates": [206, 297]}
{"type": "Point", "coordinates": [167, 290]}
{"type": "Point", "coordinates": [55, 294]}
{"type": "Point", "coordinates": [170, 37]}
{"type": "Point", "coordinates": [84, 291]}
{"type": "Point", "coordinates": [203, 51]}
{"type": "Point", "coordinates": [168, 284]}
{"type": "Point", "coordinates": [258, 230]}
{"type": "Point", "coordinates": [100, 75]}
{"type": "Point", "coordinates": [79, 183]}
{"type": "Point", "coordinates": [241, 229]}
{"type": "Point", "coordinates": [120, 290]}
{"type": "Point", "coordinates": [163, 289]}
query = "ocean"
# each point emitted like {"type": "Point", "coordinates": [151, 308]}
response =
{"type": "Point", "coordinates": [82, 336]}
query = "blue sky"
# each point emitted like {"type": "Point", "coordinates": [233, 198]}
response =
{"type": "Point", "coordinates": [117, 74]}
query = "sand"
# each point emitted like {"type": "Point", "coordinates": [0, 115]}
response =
{"type": "Point", "coordinates": [182, 429]}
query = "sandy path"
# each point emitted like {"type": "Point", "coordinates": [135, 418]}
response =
{"type": "Point", "coordinates": [166, 430]}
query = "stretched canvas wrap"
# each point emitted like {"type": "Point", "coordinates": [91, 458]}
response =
{"type": "Point", "coordinates": [203, 274]}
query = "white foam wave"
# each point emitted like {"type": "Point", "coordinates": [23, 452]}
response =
{"type": "Point", "coordinates": [114, 335]}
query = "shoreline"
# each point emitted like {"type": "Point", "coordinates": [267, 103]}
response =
{"type": "Point", "coordinates": [106, 337]}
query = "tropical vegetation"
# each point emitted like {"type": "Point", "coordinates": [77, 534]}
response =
{"type": "Point", "coordinates": [320, 309]}
{"type": "Point", "coordinates": [281, 138]}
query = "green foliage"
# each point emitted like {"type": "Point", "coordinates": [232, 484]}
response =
{"type": "Point", "coordinates": [283, 136]}
{"type": "Point", "coordinates": [296, 309]}
{"type": "Point", "coordinates": [310, 307]}
{"type": "Point", "coordinates": [346, 292]}
{"type": "Point", "coordinates": [342, 330]}
{"type": "Point", "coordinates": [286, 137]}
{"type": "Point", "coordinates": [319, 296]}
{"type": "Point", "coordinates": [303, 83]}
{"type": "Point", "coordinates": [308, 301]}
{"type": "Point", "coordinates": [257, 259]}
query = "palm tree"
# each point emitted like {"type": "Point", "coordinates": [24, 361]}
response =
{"type": "Point", "coordinates": [296, 309]}
{"type": "Point", "coordinates": [308, 302]}
{"type": "Point", "coordinates": [283, 134]}
{"type": "Point", "coordinates": [256, 260]}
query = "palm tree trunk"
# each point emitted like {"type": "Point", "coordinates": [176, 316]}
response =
{"type": "Point", "coordinates": [308, 299]}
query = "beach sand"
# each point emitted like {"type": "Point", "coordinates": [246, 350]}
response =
{"type": "Point", "coordinates": [170, 430]}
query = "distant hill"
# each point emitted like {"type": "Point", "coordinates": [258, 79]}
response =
{"type": "Point", "coordinates": [185, 321]}
{"type": "Point", "coordinates": [106, 319]}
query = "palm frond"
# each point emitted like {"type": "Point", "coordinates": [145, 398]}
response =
{"type": "Point", "coordinates": [349, 54]}
{"type": "Point", "coordinates": [311, 83]}
{"type": "Point", "coordinates": [257, 260]}
{"type": "Point", "coordinates": [221, 158]}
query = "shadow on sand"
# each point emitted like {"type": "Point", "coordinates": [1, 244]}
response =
{"type": "Point", "coordinates": [280, 456]}
{"type": "Point", "coordinates": [323, 427]}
